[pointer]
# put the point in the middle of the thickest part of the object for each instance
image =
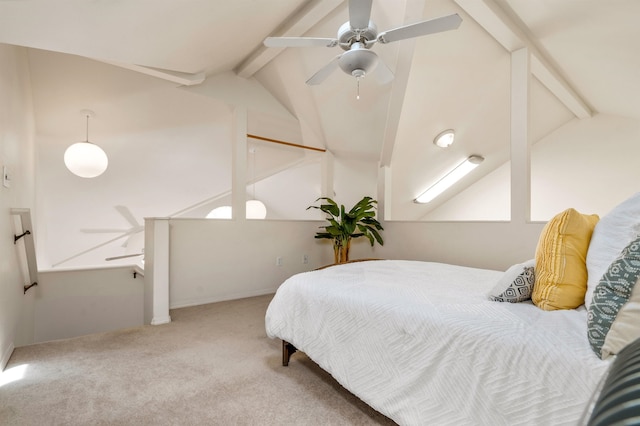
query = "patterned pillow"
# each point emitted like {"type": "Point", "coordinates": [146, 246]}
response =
{"type": "Point", "coordinates": [614, 314]}
{"type": "Point", "coordinates": [516, 285]}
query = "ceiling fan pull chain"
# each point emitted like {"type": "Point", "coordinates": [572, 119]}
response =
{"type": "Point", "coordinates": [358, 88]}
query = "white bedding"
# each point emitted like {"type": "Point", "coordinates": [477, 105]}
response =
{"type": "Point", "coordinates": [421, 343]}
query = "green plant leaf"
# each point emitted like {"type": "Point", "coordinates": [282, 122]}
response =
{"type": "Point", "coordinates": [358, 222]}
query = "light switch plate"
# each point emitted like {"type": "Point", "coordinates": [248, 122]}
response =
{"type": "Point", "coordinates": [6, 177]}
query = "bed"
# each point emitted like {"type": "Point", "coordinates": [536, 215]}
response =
{"type": "Point", "coordinates": [430, 348]}
{"type": "Point", "coordinates": [429, 343]}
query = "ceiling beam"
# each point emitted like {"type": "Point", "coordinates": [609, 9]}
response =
{"type": "Point", "coordinates": [182, 78]}
{"type": "Point", "coordinates": [503, 28]}
{"type": "Point", "coordinates": [413, 11]}
{"type": "Point", "coordinates": [396, 100]}
{"type": "Point", "coordinates": [296, 26]}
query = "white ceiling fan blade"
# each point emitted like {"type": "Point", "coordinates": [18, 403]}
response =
{"type": "Point", "coordinates": [123, 256]}
{"type": "Point", "coordinates": [324, 72]}
{"type": "Point", "coordinates": [359, 13]}
{"type": "Point", "coordinates": [432, 26]}
{"type": "Point", "coordinates": [104, 231]}
{"type": "Point", "coordinates": [383, 73]}
{"type": "Point", "coordinates": [300, 42]}
{"type": "Point", "coordinates": [131, 232]}
{"type": "Point", "coordinates": [126, 213]}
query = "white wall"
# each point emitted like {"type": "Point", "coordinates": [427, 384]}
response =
{"type": "Point", "coordinates": [590, 165]}
{"type": "Point", "coordinates": [487, 199]}
{"type": "Point", "coordinates": [489, 245]}
{"type": "Point", "coordinates": [354, 179]}
{"type": "Point", "coordinates": [587, 164]}
{"type": "Point", "coordinates": [72, 303]}
{"type": "Point", "coordinates": [17, 153]}
{"type": "Point", "coordinates": [213, 260]}
{"type": "Point", "coordinates": [169, 150]}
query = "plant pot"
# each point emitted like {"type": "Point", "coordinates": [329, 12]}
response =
{"type": "Point", "coordinates": [341, 252]}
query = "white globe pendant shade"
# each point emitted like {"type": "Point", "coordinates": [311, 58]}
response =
{"type": "Point", "coordinates": [222, 212]}
{"type": "Point", "coordinates": [256, 210]}
{"type": "Point", "coordinates": [86, 159]}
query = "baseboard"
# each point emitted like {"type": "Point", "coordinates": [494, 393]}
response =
{"type": "Point", "coordinates": [234, 296]}
{"type": "Point", "coordinates": [161, 320]}
{"type": "Point", "coordinates": [5, 357]}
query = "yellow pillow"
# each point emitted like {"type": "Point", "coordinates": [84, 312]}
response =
{"type": "Point", "coordinates": [561, 271]}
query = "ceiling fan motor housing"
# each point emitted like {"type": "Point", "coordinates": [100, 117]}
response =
{"type": "Point", "coordinates": [348, 36]}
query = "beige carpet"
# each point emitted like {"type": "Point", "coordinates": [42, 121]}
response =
{"type": "Point", "coordinates": [213, 364]}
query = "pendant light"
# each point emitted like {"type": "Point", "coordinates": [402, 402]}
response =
{"type": "Point", "coordinates": [255, 208]}
{"type": "Point", "coordinates": [86, 159]}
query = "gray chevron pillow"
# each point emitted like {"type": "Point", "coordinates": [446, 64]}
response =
{"type": "Point", "coordinates": [516, 285]}
{"type": "Point", "coordinates": [614, 314]}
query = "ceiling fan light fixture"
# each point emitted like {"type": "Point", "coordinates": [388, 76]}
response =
{"type": "Point", "coordinates": [445, 139]}
{"type": "Point", "coordinates": [359, 58]}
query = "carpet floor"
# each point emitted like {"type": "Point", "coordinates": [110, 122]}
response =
{"type": "Point", "coordinates": [212, 365]}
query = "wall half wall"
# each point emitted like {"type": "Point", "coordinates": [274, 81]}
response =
{"type": "Point", "coordinates": [215, 260]}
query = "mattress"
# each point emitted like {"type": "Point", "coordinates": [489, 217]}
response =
{"type": "Point", "coordinates": [422, 343]}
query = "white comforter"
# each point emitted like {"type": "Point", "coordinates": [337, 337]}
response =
{"type": "Point", "coordinates": [421, 343]}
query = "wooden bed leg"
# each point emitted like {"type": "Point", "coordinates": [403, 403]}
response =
{"type": "Point", "coordinates": [287, 350]}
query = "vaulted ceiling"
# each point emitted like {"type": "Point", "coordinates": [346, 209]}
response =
{"type": "Point", "coordinates": [589, 45]}
{"type": "Point", "coordinates": [584, 57]}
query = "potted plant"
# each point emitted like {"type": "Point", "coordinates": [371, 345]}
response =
{"type": "Point", "coordinates": [343, 226]}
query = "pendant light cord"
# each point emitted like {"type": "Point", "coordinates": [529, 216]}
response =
{"type": "Point", "coordinates": [87, 129]}
{"type": "Point", "coordinates": [253, 152]}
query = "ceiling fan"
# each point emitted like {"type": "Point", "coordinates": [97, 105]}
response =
{"type": "Point", "coordinates": [135, 228]}
{"type": "Point", "coordinates": [357, 36]}
{"type": "Point", "coordinates": [130, 233]}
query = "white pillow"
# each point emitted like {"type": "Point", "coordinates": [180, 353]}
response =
{"type": "Point", "coordinates": [516, 285]}
{"type": "Point", "coordinates": [612, 234]}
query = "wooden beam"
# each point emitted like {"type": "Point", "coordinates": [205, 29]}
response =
{"type": "Point", "coordinates": [182, 78]}
{"type": "Point", "coordinates": [295, 145]}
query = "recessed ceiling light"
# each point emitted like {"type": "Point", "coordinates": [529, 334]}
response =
{"type": "Point", "coordinates": [445, 139]}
